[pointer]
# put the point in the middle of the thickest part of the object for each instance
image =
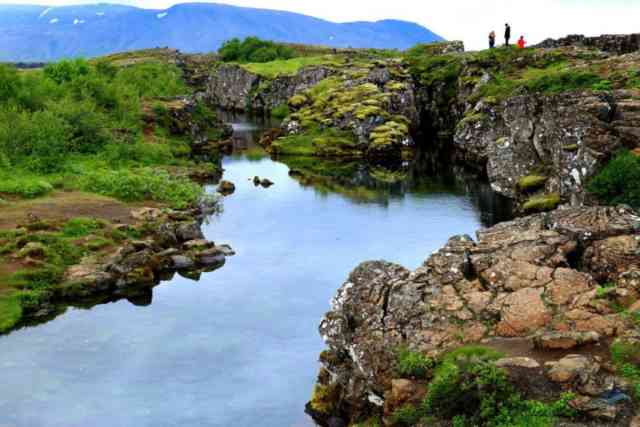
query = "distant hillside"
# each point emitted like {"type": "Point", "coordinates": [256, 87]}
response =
{"type": "Point", "coordinates": [39, 33]}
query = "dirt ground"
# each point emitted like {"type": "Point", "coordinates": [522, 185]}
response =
{"type": "Point", "coordinates": [62, 206]}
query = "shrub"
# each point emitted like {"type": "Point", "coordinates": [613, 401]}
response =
{"type": "Point", "coordinates": [253, 49]}
{"type": "Point", "coordinates": [619, 181]}
{"type": "Point", "coordinates": [407, 416]}
{"type": "Point", "coordinates": [88, 131]}
{"type": "Point", "coordinates": [39, 140]}
{"type": "Point", "coordinates": [413, 364]}
{"type": "Point", "coordinates": [67, 70]}
{"type": "Point", "coordinates": [9, 83]}
{"type": "Point", "coordinates": [468, 384]}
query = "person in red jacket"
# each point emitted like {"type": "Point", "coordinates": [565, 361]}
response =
{"type": "Point", "coordinates": [521, 42]}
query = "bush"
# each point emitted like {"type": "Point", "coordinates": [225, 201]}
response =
{"type": "Point", "coordinates": [67, 70]}
{"type": "Point", "coordinates": [468, 384]}
{"type": "Point", "coordinates": [280, 112]}
{"type": "Point", "coordinates": [39, 140]}
{"type": "Point", "coordinates": [619, 181]}
{"type": "Point", "coordinates": [253, 49]}
{"type": "Point", "coordinates": [9, 83]}
{"type": "Point", "coordinates": [413, 364]}
{"type": "Point", "coordinates": [407, 416]}
{"type": "Point", "coordinates": [88, 131]}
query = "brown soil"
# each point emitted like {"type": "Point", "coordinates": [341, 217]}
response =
{"type": "Point", "coordinates": [61, 206]}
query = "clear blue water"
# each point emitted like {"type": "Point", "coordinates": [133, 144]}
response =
{"type": "Point", "coordinates": [239, 347]}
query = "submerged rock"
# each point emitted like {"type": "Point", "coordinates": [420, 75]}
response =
{"type": "Point", "coordinates": [226, 188]}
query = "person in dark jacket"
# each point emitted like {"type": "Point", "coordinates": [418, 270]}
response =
{"type": "Point", "coordinates": [492, 39]}
{"type": "Point", "coordinates": [507, 34]}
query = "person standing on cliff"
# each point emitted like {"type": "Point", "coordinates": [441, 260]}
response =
{"type": "Point", "coordinates": [492, 39]}
{"type": "Point", "coordinates": [521, 42]}
{"type": "Point", "coordinates": [507, 34]}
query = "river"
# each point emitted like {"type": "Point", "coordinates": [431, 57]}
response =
{"type": "Point", "coordinates": [238, 347]}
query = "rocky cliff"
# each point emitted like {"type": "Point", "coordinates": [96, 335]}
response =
{"type": "Point", "coordinates": [535, 279]}
{"type": "Point", "coordinates": [537, 123]}
{"type": "Point", "coordinates": [615, 43]}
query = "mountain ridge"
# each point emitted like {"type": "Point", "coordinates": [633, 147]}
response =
{"type": "Point", "coordinates": [41, 33]}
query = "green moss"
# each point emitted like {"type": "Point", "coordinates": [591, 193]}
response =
{"type": "Point", "coordinates": [472, 118]}
{"type": "Point", "coordinates": [542, 203]}
{"type": "Point", "coordinates": [324, 398]}
{"type": "Point", "coordinates": [316, 142]}
{"type": "Point", "coordinates": [531, 182]}
{"type": "Point", "coordinates": [298, 101]}
{"type": "Point", "coordinates": [571, 147]}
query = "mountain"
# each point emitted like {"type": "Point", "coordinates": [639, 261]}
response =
{"type": "Point", "coordinates": [39, 33]}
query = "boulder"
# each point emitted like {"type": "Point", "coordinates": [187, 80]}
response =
{"type": "Point", "coordinates": [564, 340]}
{"type": "Point", "coordinates": [226, 188]}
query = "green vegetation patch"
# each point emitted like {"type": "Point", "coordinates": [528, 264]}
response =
{"type": "Point", "coordinates": [286, 67]}
{"type": "Point", "coordinates": [254, 49]}
{"type": "Point", "coordinates": [619, 181]}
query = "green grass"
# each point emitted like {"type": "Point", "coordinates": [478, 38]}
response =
{"type": "Point", "coordinates": [80, 227]}
{"type": "Point", "coordinates": [10, 312]}
{"type": "Point", "coordinates": [288, 67]}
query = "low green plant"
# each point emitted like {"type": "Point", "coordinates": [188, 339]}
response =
{"type": "Point", "coordinates": [80, 227]}
{"type": "Point", "coordinates": [619, 181]}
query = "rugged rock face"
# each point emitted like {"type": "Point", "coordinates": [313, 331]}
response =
{"type": "Point", "coordinates": [232, 87]}
{"type": "Point", "coordinates": [566, 139]}
{"type": "Point", "coordinates": [618, 44]}
{"type": "Point", "coordinates": [534, 278]}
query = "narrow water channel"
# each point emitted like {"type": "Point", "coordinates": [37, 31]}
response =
{"type": "Point", "coordinates": [239, 347]}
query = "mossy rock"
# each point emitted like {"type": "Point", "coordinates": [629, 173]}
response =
{"type": "Point", "coordinates": [542, 203]}
{"type": "Point", "coordinates": [298, 101]}
{"type": "Point", "coordinates": [531, 182]}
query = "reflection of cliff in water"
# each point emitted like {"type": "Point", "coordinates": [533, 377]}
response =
{"type": "Point", "coordinates": [363, 182]}
{"type": "Point", "coordinates": [138, 295]}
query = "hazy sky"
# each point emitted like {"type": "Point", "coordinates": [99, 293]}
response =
{"type": "Point", "coordinates": [467, 20]}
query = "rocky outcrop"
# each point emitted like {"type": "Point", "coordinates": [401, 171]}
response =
{"type": "Point", "coordinates": [526, 278]}
{"type": "Point", "coordinates": [618, 44]}
{"type": "Point", "coordinates": [232, 87]}
{"type": "Point", "coordinates": [564, 139]}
